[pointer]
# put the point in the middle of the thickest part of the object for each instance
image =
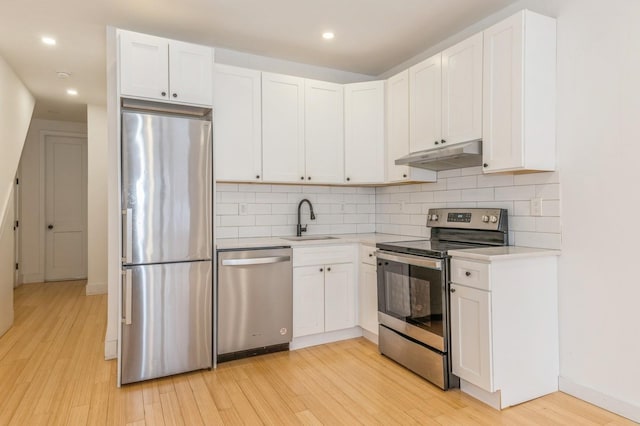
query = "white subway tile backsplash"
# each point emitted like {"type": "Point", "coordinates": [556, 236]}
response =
{"type": "Point", "coordinates": [400, 209]}
{"type": "Point", "coordinates": [462, 182]}
{"type": "Point", "coordinates": [237, 220]}
{"type": "Point", "coordinates": [226, 209]}
{"type": "Point", "coordinates": [249, 187]}
{"type": "Point", "coordinates": [548, 224]}
{"type": "Point", "coordinates": [254, 231]}
{"type": "Point", "coordinates": [522, 223]}
{"type": "Point", "coordinates": [446, 196]}
{"type": "Point", "coordinates": [480, 194]}
{"type": "Point", "coordinates": [494, 180]}
{"type": "Point", "coordinates": [515, 193]}
{"type": "Point", "coordinates": [449, 173]}
{"type": "Point", "coordinates": [550, 191]}
{"type": "Point", "coordinates": [237, 197]}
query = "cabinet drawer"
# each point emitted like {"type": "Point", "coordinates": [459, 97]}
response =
{"type": "Point", "coordinates": [325, 255]}
{"type": "Point", "coordinates": [471, 274]}
{"type": "Point", "coordinates": [368, 254]}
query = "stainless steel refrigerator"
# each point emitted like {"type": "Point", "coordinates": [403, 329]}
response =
{"type": "Point", "coordinates": [167, 245]}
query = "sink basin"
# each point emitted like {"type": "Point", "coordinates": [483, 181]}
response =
{"type": "Point", "coordinates": [310, 238]}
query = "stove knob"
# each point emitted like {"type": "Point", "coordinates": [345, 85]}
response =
{"type": "Point", "coordinates": [493, 219]}
{"type": "Point", "coordinates": [434, 217]}
{"type": "Point", "coordinates": [485, 218]}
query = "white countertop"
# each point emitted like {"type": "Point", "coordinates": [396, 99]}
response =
{"type": "Point", "coordinates": [370, 239]}
{"type": "Point", "coordinates": [489, 254]}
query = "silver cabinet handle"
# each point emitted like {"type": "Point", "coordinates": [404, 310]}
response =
{"type": "Point", "coordinates": [255, 261]}
{"type": "Point", "coordinates": [127, 297]}
{"type": "Point", "coordinates": [128, 235]}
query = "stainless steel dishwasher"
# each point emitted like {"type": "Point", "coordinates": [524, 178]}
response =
{"type": "Point", "coordinates": [255, 302]}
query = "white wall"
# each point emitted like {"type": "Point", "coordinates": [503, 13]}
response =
{"type": "Point", "coordinates": [16, 107]}
{"type": "Point", "coordinates": [32, 226]}
{"type": "Point", "coordinates": [97, 179]}
{"type": "Point", "coordinates": [598, 129]}
{"type": "Point", "coordinates": [403, 209]}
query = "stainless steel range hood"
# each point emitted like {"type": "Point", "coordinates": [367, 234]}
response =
{"type": "Point", "coordinates": [466, 154]}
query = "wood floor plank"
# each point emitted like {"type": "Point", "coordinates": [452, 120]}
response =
{"type": "Point", "coordinates": [52, 371]}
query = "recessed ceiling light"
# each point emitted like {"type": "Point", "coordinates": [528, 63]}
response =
{"type": "Point", "coordinates": [49, 41]}
{"type": "Point", "coordinates": [328, 35]}
{"type": "Point", "coordinates": [72, 92]}
{"type": "Point", "coordinates": [63, 75]}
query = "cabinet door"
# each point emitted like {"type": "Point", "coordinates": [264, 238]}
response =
{"type": "Point", "coordinates": [364, 132]}
{"type": "Point", "coordinates": [462, 91]}
{"type": "Point", "coordinates": [368, 298]}
{"type": "Point", "coordinates": [282, 128]}
{"type": "Point", "coordinates": [339, 297]}
{"type": "Point", "coordinates": [471, 336]}
{"type": "Point", "coordinates": [308, 300]}
{"type": "Point", "coordinates": [425, 104]}
{"type": "Point", "coordinates": [397, 125]}
{"type": "Point", "coordinates": [503, 65]}
{"type": "Point", "coordinates": [324, 132]}
{"type": "Point", "coordinates": [237, 124]}
{"type": "Point", "coordinates": [190, 73]}
{"type": "Point", "coordinates": [144, 69]}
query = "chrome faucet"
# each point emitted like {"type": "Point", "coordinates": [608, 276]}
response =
{"type": "Point", "coordinates": [300, 229]}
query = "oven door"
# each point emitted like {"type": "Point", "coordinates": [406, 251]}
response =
{"type": "Point", "coordinates": [411, 297]}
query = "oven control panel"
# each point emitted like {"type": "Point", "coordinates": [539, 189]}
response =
{"type": "Point", "coordinates": [472, 218]}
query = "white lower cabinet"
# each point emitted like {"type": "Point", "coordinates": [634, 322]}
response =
{"type": "Point", "coordinates": [324, 292]}
{"type": "Point", "coordinates": [368, 292]}
{"type": "Point", "coordinates": [504, 327]}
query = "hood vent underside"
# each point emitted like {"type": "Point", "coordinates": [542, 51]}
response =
{"type": "Point", "coordinates": [468, 154]}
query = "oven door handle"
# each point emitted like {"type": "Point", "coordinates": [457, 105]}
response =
{"type": "Point", "coordinates": [423, 262]}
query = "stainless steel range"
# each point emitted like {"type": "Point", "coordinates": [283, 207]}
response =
{"type": "Point", "coordinates": [413, 289]}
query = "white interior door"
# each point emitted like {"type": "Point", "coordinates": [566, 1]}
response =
{"type": "Point", "coordinates": [65, 208]}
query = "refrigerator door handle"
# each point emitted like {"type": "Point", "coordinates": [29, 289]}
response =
{"type": "Point", "coordinates": [255, 261]}
{"type": "Point", "coordinates": [128, 235]}
{"type": "Point", "coordinates": [127, 297]}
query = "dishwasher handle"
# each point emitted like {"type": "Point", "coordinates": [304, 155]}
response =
{"type": "Point", "coordinates": [255, 261]}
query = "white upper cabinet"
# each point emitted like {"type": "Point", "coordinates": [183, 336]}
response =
{"type": "Point", "coordinates": [283, 154]}
{"type": "Point", "coordinates": [445, 97]}
{"type": "Point", "coordinates": [238, 123]}
{"type": "Point", "coordinates": [161, 69]}
{"type": "Point", "coordinates": [324, 132]}
{"type": "Point", "coordinates": [519, 94]}
{"type": "Point", "coordinates": [425, 100]}
{"type": "Point", "coordinates": [398, 131]}
{"type": "Point", "coordinates": [364, 132]}
{"type": "Point", "coordinates": [190, 73]}
{"type": "Point", "coordinates": [462, 92]}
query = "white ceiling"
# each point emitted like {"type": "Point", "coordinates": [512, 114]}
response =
{"type": "Point", "coordinates": [371, 35]}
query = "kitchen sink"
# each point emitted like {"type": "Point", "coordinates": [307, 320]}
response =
{"type": "Point", "coordinates": [310, 238]}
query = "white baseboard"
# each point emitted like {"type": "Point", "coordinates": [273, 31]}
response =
{"type": "Point", "coordinates": [322, 338]}
{"type": "Point", "coordinates": [110, 349]}
{"type": "Point", "coordinates": [592, 396]}
{"type": "Point", "coordinates": [372, 337]}
{"type": "Point", "coordinates": [96, 288]}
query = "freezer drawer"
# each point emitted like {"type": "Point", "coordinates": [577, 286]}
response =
{"type": "Point", "coordinates": [255, 299]}
{"type": "Point", "coordinates": [166, 327]}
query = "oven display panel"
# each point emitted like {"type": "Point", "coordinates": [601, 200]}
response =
{"type": "Point", "coordinates": [459, 217]}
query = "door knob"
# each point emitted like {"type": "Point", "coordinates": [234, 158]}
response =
{"type": "Point", "coordinates": [452, 290]}
{"type": "Point", "coordinates": [50, 226]}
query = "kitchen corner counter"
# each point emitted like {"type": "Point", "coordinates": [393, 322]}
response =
{"type": "Point", "coordinates": [369, 239]}
{"type": "Point", "coordinates": [492, 254]}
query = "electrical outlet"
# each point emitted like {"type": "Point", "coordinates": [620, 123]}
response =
{"type": "Point", "coordinates": [536, 206]}
{"type": "Point", "coordinates": [243, 209]}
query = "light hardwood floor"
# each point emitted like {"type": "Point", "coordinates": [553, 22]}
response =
{"type": "Point", "coordinates": [52, 371]}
